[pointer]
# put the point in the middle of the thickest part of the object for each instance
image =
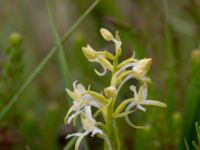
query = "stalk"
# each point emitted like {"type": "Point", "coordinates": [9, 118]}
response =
{"type": "Point", "coordinates": [111, 125]}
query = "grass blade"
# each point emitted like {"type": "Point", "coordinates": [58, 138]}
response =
{"type": "Point", "coordinates": [61, 54]}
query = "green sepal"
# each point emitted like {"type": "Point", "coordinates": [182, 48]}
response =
{"type": "Point", "coordinates": [99, 97]}
{"type": "Point", "coordinates": [121, 107]}
{"type": "Point", "coordinates": [119, 115]}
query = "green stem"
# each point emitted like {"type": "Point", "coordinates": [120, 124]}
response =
{"type": "Point", "coordinates": [111, 125]}
{"type": "Point", "coordinates": [8, 107]}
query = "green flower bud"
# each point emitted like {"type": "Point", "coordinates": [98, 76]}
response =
{"type": "Point", "coordinates": [15, 39]}
{"type": "Point", "coordinates": [196, 55]}
{"type": "Point", "coordinates": [110, 91]}
{"type": "Point", "coordinates": [89, 52]}
{"type": "Point", "coordinates": [107, 35]}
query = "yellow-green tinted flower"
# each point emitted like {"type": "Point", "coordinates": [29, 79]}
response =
{"type": "Point", "coordinates": [89, 52]}
{"type": "Point", "coordinates": [80, 101]}
{"type": "Point", "coordinates": [140, 98]}
{"type": "Point", "coordinates": [99, 57]}
{"type": "Point", "coordinates": [139, 68]}
{"type": "Point", "coordinates": [89, 126]}
{"type": "Point", "coordinates": [131, 68]}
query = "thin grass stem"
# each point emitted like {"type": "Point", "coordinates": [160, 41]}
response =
{"type": "Point", "coordinates": [42, 64]}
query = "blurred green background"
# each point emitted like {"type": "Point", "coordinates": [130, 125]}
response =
{"type": "Point", "coordinates": [168, 31]}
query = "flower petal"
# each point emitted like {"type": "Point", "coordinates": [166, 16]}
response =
{"type": "Point", "coordinates": [123, 82]}
{"type": "Point", "coordinates": [96, 130]}
{"type": "Point", "coordinates": [78, 142]}
{"type": "Point", "coordinates": [155, 103]}
{"type": "Point", "coordinates": [101, 73]}
{"type": "Point", "coordinates": [73, 134]}
{"type": "Point", "coordinates": [140, 107]}
{"type": "Point", "coordinates": [67, 115]}
{"type": "Point", "coordinates": [122, 105]}
{"type": "Point", "coordinates": [129, 121]}
{"type": "Point", "coordinates": [133, 88]}
{"type": "Point", "coordinates": [124, 68]}
{"type": "Point", "coordinates": [80, 88]}
{"type": "Point", "coordinates": [142, 93]}
{"type": "Point", "coordinates": [73, 116]}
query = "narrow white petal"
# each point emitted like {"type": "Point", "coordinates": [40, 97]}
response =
{"type": "Point", "coordinates": [80, 89]}
{"type": "Point", "coordinates": [67, 115]}
{"type": "Point", "coordinates": [129, 121]}
{"type": "Point", "coordinates": [73, 134]}
{"type": "Point", "coordinates": [154, 102]}
{"type": "Point", "coordinates": [96, 130]}
{"type": "Point", "coordinates": [103, 72]}
{"type": "Point", "coordinates": [88, 111]}
{"type": "Point", "coordinates": [141, 108]}
{"type": "Point", "coordinates": [78, 142]}
{"type": "Point", "coordinates": [124, 68]}
{"type": "Point", "coordinates": [74, 84]}
{"type": "Point", "coordinates": [131, 105]}
{"type": "Point", "coordinates": [73, 116]}
{"type": "Point", "coordinates": [89, 117]}
{"type": "Point", "coordinates": [94, 103]}
{"type": "Point", "coordinates": [142, 93]}
{"type": "Point", "coordinates": [133, 88]}
{"type": "Point", "coordinates": [145, 91]}
{"type": "Point", "coordinates": [123, 82]}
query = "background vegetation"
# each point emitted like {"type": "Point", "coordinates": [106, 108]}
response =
{"type": "Point", "coordinates": [166, 30]}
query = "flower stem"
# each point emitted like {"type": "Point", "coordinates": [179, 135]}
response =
{"type": "Point", "coordinates": [111, 125]}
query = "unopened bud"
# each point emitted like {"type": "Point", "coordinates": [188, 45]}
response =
{"type": "Point", "coordinates": [110, 91]}
{"type": "Point", "coordinates": [107, 35]}
{"type": "Point", "coordinates": [196, 55]}
{"type": "Point", "coordinates": [89, 52]}
{"type": "Point", "coordinates": [176, 117]}
{"type": "Point", "coordinates": [15, 39]}
{"type": "Point", "coordinates": [142, 67]}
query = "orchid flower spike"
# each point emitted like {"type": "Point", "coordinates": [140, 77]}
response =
{"type": "Point", "coordinates": [89, 126]}
{"type": "Point", "coordinates": [80, 100]}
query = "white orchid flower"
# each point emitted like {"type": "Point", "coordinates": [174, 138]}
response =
{"type": "Point", "coordinates": [80, 101]}
{"type": "Point", "coordinates": [140, 98]}
{"type": "Point", "coordinates": [99, 57]}
{"type": "Point", "coordinates": [89, 126]}
{"type": "Point", "coordinates": [131, 68]}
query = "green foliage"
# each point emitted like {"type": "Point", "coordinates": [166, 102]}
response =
{"type": "Point", "coordinates": [12, 67]}
{"type": "Point", "coordinates": [195, 145]}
